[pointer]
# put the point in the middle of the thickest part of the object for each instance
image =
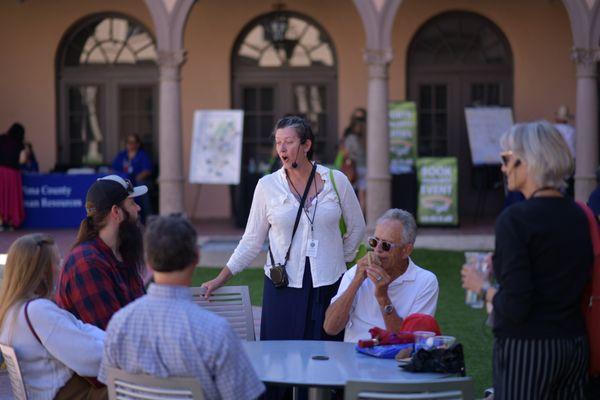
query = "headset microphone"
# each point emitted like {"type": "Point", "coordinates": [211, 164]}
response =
{"type": "Point", "coordinates": [295, 163]}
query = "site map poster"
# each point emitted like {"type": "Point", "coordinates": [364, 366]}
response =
{"type": "Point", "coordinates": [403, 136]}
{"type": "Point", "coordinates": [216, 151]}
{"type": "Point", "coordinates": [438, 191]}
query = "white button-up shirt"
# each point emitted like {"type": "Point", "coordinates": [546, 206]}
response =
{"type": "Point", "coordinates": [415, 291]}
{"type": "Point", "coordinates": [273, 212]}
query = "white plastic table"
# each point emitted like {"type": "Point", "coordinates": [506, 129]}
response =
{"type": "Point", "coordinates": [293, 363]}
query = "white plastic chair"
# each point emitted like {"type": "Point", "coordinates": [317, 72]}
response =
{"type": "Point", "coordinates": [231, 303]}
{"type": "Point", "coordinates": [436, 389]}
{"type": "Point", "coordinates": [124, 386]}
{"type": "Point", "coordinates": [14, 372]}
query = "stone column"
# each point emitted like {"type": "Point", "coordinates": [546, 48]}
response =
{"type": "Point", "coordinates": [378, 140]}
{"type": "Point", "coordinates": [586, 121]}
{"type": "Point", "coordinates": [170, 135]}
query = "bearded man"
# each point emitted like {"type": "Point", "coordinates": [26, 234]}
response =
{"type": "Point", "coordinates": [103, 271]}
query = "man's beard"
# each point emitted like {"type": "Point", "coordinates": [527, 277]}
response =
{"type": "Point", "coordinates": [131, 243]}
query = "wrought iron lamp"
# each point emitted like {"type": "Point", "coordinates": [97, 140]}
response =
{"type": "Point", "coordinates": [276, 28]}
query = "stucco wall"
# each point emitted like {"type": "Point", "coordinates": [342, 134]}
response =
{"type": "Point", "coordinates": [538, 32]}
{"type": "Point", "coordinates": [31, 32]}
{"type": "Point", "coordinates": [211, 33]}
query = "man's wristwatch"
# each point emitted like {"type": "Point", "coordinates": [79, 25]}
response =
{"type": "Point", "coordinates": [387, 310]}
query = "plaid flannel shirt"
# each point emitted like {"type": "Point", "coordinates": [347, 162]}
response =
{"type": "Point", "coordinates": [94, 284]}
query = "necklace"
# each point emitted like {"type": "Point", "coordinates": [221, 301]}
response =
{"type": "Point", "coordinates": [542, 189]}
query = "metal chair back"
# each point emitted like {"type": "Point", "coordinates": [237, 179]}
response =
{"type": "Point", "coordinates": [124, 386]}
{"type": "Point", "coordinates": [14, 372]}
{"type": "Point", "coordinates": [437, 389]}
{"type": "Point", "coordinates": [231, 303]}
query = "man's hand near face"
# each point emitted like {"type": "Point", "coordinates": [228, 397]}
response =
{"type": "Point", "coordinates": [338, 312]}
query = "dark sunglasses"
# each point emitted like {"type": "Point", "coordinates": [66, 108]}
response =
{"type": "Point", "coordinates": [385, 246]}
{"type": "Point", "coordinates": [505, 156]}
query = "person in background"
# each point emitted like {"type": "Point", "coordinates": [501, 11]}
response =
{"type": "Point", "coordinates": [382, 291]}
{"type": "Point", "coordinates": [594, 199]}
{"type": "Point", "coordinates": [355, 148]}
{"type": "Point", "coordinates": [103, 272]}
{"type": "Point", "coordinates": [55, 349]}
{"type": "Point", "coordinates": [165, 333]}
{"type": "Point", "coordinates": [542, 263]}
{"type": "Point", "coordinates": [136, 164]}
{"type": "Point", "coordinates": [567, 131]}
{"type": "Point", "coordinates": [29, 161]}
{"type": "Point", "coordinates": [12, 211]}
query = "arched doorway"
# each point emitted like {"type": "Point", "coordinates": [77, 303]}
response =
{"type": "Point", "coordinates": [282, 63]}
{"type": "Point", "coordinates": [456, 60]}
{"type": "Point", "coordinates": [106, 88]}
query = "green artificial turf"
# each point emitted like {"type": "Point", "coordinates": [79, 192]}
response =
{"type": "Point", "coordinates": [455, 318]}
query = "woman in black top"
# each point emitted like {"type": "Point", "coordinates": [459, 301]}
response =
{"type": "Point", "coordinates": [542, 263]}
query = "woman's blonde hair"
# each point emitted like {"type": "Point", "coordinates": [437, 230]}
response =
{"type": "Point", "coordinates": [549, 160]}
{"type": "Point", "coordinates": [29, 271]}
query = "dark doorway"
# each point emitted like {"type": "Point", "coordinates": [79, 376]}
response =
{"type": "Point", "coordinates": [107, 88]}
{"type": "Point", "coordinates": [457, 60]}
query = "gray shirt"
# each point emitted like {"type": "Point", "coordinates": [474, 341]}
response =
{"type": "Point", "coordinates": [166, 334]}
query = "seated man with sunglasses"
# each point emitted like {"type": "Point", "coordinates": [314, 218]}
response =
{"type": "Point", "coordinates": [385, 286]}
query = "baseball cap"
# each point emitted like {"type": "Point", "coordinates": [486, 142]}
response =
{"type": "Point", "coordinates": [420, 322]}
{"type": "Point", "coordinates": [109, 191]}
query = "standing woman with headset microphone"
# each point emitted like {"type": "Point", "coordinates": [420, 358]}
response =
{"type": "Point", "coordinates": [298, 209]}
{"type": "Point", "coordinates": [542, 263]}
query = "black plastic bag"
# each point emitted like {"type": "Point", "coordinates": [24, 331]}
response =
{"type": "Point", "coordinates": [450, 361]}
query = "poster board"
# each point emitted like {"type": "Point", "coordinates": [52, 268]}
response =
{"type": "Point", "coordinates": [485, 125]}
{"type": "Point", "coordinates": [402, 116]}
{"type": "Point", "coordinates": [438, 191]}
{"type": "Point", "coordinates": [216, 150]}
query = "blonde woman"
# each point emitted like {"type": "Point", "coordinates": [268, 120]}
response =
{"type": "Point", "coordinates": [53, 347]}
{"type": "Point", "coordinates": [542, 262]}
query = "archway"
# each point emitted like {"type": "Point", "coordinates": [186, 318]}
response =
{"type": "Point", "coordinates": [106, 88]}
{"type": "Point", "coordinates": [456, 60]}
{"type": "Point", "coordinates": [282, 63]}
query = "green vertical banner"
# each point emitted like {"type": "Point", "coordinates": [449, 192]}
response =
{"type": "Point", "coordinates": [402, 117]}
{"type": "Point", "coordinates": [438, 191]}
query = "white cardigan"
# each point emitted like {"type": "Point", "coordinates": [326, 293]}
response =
{"type": "Point", "coordinates": [273, 213]}
{"type": "Point", "coordinates": [69, 345]}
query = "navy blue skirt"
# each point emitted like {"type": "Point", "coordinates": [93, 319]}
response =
{"type": "Point", "coordinates": [296, 314]}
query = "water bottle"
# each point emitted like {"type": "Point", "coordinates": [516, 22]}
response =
{"type": "Point", "coordinates": [475, 260]}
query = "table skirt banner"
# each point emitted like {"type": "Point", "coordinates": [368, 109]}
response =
{"type": "Point", "coordinates": [55, 200]}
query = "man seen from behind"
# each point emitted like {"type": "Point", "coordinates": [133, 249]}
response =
{"type": "Point", "coordinates": [165, 333]}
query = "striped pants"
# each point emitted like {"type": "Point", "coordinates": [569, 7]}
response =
{"type": "Point", "coordinates": [540, 368]}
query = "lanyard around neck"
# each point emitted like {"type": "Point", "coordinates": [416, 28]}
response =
{"type": "Point", "coordinates": [300, 207]}
{"type": "Point", "coordinates": [310, 220]}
